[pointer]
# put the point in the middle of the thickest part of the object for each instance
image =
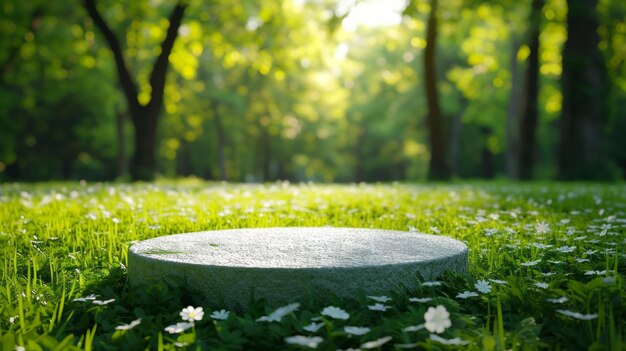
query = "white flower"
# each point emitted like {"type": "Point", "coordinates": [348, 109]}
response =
{"type": "Point", "coordinates": [595, 272]}
{"type": "Point", "coordinates": [313, 327]}
{"type": "Point", "coordinates": [577, 315]}
{"type": "Point", "coordinates": [86, 298]}
{"type": "Point", "coordinates": [376, 343]}
{"type": "Point", "coordinates": [279, 313]}
{"type": "Point", "coordinates": [483, 286]}
{"type": "Point", "coordinates": [378, 307]}
{"type": "Point", "coordinates": [530, 263]}
{"type": "Point", "coordinates": [541, 285]}
{"type": "Point", "coordinates": [541, 246]}
{"type": "Point", "coordinates": [581, 260]}
{"type": "Point", "coordinates": [542, 228]}
{"type": "Point", "coordinates": [558, 300]}
{"type": "Point", "coordinates": [420, 299]}
{"type": "Point", "coordinates": [178, 327]}
{"type": "Point", "coordinates": [192, 314]}
{"type": "Point", "coordinates": [308, 341]}
{"type": "Point", "coordinates": [19, 348]}
{"type": "Point", "coordinates": [220, 315]}
{"type": "Point", "coordinates": [455, 341]}
{"type": "Point", "coordinates": [437, 319]}
{"type": "Point", "coordinates": [497, 281]}
{"type": "Point", "coordinates": [433, 283]}
{"type": "Point", "coordinates": [566, 249]}
{"type": "Point", "coordinates": [466, 294]}
{"type": "Point", "coordinates": [413, 328]}
{"type": "Point", "coordinates": [335, 312]}
{"type": "Point", "coordinates": [356, 330]}
{"type": "Point", "coordinates": [130, 326]}
{"type": "Point", "coordinates": [382, 299]}
{"type": "Point", "coordinates": [102, 303]}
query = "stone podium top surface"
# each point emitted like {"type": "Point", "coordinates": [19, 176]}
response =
{"type": "Point", "coordinates": [299, 248]}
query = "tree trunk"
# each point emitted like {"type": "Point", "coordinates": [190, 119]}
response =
{"type": "Point", "coordinates": [438, 167]}
{"type": "Point", "coordinates": [144, 118]}
{"type": "Point", "coordinates": [512, 122]}
{"type": "Point", "coordinates": [530, 114]}
{"type": "Point", "coordinates": [584, 86]}
{"type": "Point", "coordinates": [144, 161]}
{"type": "Point", "coordinates": [221, 139]}
{"type": "Point", "coordinates": [455, 143]}
{"type": "Point", "coordinates": [122, 161]}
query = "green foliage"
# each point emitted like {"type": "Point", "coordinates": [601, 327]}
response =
{"type": "Point", "coordinates": [281, 90]}
{"type": "Point", "coordinates": [552, 255]}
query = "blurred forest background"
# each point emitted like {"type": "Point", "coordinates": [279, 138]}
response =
{"type": "Point", "coordinates": [316, 90]}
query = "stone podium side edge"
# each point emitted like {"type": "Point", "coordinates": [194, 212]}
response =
{"type": "Point", "coordinates": [234, 287]}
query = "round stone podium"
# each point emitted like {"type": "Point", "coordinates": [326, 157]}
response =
{"type": "Point", "coordinates": [231, 267]}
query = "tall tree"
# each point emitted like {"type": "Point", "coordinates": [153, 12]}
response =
{"type": "Point", "coordinates": [530, 113]}
{"type": "Point", "coordinates": [438, 167]}
{"type": "Point", "coordinates": [144, 117]}
{"type": "Point", "coordinates": [584, 86]}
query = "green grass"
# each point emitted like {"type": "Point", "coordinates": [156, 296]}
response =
{"type": "Point", "coordinates": [530, 242]}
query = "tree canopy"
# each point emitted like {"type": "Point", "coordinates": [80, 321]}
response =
{"type": "Point", "coordinates": [266, 90]}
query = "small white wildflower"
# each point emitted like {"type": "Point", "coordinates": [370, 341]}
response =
{"type": "Point", "coordinates": [433, 283]}
{"type": "Point", "coordinates": [455, 341]}
{"type": "Point", "coordinates": [308, 341]}
{"type": "Point", "coordinates": [19, 348]}
{"type": "Point", "coordinates": [335, 312]}
{"type": "Point", "coordinates": [192, 314]}
{"type": "Point", "coordinates": [566, 249]}
{"type": "Point", "coordinates": [352, 330]}
{"type": "Point", "coordinates": [178, 327]}
{"type": "Point", "coordinates": [86, 298]}
{"type": "Point", "coordinates": [437, 319]}
{"type": "Point", "coordinates": [378, 307]}
{"type": "Point", "coordinates": [541, 246]}
{"type": "Point", "coordinates": [382, 299]}
{"type": "Point", "coordinates": [483, 286]}
{"type": "Point", "coordinates": [556, 261]}
{"type": "Point", "coordinates": [577, 315]}
{"type": "Point", "coordinates": [420, 299]}
{"type": "Point", "coordinates": [279, 313]}
{"type": "Point", "coordinates": [12, 319]}
{"type": "Point", "coordinates": [466, 294]}
{"type": "Point", "coordinates": [376, 343]}
{"type": "Point", "coordinates": [590, 252]}
{"type": "Point", "coordinates": [530, 263]}
{"type": "Point", "coordinates": [565, 221]}
{"type": "Point", "coordinates": [561, 299]}
{"type": "Point", "coordinates": [130, 326]}
{"type": "Point", "coordinates": [596, 272]}
{"type": "Point", "coordinates": [220, 315]}
{"type": "Point", "coordinates": [581, 260]}
{"type": "Point", "coordinates": [313, 327]}
{"type": "Point", "coordinates": [498, 281]}
{"type": "Point", "coordinates": [542, 228]}
{"type": "Point", "coordinates": [413, 328]}
{"type": "Point", "coordinates": [541, 285]}
{"type": "Point", "coordinates": [102, 303]}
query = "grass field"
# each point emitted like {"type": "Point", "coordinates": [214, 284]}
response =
{"type": "Point", "coordinates": [547, 266]}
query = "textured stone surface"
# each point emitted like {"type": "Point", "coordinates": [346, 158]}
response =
{"type": "Point", "coordinates": [228, 267]}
